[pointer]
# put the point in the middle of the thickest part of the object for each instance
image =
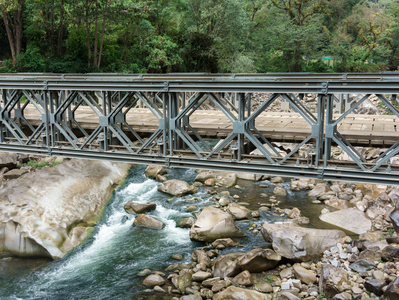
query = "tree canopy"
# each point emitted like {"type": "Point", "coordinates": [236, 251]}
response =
{"type": "Point", "coordinates": [137, 36]}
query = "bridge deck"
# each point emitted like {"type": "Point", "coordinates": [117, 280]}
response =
{"type": "Point", "coordinates": [362, 130]}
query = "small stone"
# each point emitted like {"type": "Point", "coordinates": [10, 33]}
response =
{"type": "Point", "coordinates": [285, 285]}
{"type": "Point", "coordinates": [191, 208]}
{"type": "Point", "coordinates": [244, 278]}
{"type": "Point", "coordinates": [264, 287]}
{"type": "Point", "coordinates": [177, 256]}
{"type": "Point", "coordinates": [157, 288]}
{"type": "Point", "coordinates": [362, 265]}
{"type": "Point", "coordinates": [304, 275]}
{"type": "Point", "coordinates": [144, 272]}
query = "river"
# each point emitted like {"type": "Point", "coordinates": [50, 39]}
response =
{"type": "Point", "coordinates": [107, 264]}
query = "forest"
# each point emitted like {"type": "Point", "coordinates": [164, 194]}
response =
{"type": "Point", "coordinates": [238, 36]}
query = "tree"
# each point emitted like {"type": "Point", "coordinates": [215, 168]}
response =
{"type": "Point", "coordinates": [12, 12]}
{"type": "Point", "coordinates": [300, 13]}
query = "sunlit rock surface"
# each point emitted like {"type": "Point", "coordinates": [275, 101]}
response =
{"type": "Point", "coordinates": [47, 212]}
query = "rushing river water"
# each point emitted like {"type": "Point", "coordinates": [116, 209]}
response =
{"type": "Point", "coordinates": [106, 265]}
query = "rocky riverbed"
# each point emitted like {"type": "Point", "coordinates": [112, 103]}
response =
{"type": "Point", "coordinates": [358, 260]}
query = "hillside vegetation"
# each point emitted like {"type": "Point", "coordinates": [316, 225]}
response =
{"type": "Point", "coordinates": [133, 36]}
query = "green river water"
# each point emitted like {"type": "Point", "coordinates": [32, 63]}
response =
{"type": "Point", "coordinates": [105, 266]}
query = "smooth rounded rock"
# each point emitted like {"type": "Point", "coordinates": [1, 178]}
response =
{"type": "Point", "coordinates": [153, 280]}
{"type": "Point", "coordinates": [143, 220]}
{"type": "Point", "coordinates": [177, 187]}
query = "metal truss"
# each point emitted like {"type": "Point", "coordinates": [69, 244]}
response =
{"type": "Point", "coordinates": [174, 99]}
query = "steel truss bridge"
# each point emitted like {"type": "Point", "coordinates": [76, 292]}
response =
{"type": "Point", "coordinates": [174, 99]}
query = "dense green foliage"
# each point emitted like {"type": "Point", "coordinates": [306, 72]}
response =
{"type": "Point", "coordinates": [132, 36]}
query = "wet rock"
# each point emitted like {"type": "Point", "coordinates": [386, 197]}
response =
{"type": "Point", "coordinates": [213, 224]}
{"type": "Point", "coordinates": [318, 190]}
{"type": "Point", "coordinates": [138, 208]}
{"type": "Point", "coordinates": [229, 180]}
{"type": "Point", "coordinates": [362, 265]}
{"type": "Point", "coordinates": [239, 212]}
{"type": "Point", "coordinates": [161, 178]}
{"type": "Point", "coordinates": [153, 280]}
{"type": "Point", "coordinates": [224, 242]}
{"type": "Point", "coordinates": [191, 208]}
{"type": "Point", "coordinates": [14, 174]}
{"type": "Point", "coordinates": [277, 179]}
{"type": "Point", "coordinates": [244, 279]}
{"type": "Point", "coordinates": [177, 187]}
{"type": "Point", "coordinates": [390, 253]}
{"type": "Point", "coordinates": [294, 213]}
{"type": "Point", "coordinates": [280, 191]}
{"type": "Point", "coordinates": [201, 276]}
{"type": "Point", "coordinates": [183, 280]}
{"type": "Point", "coordinates": [258, 260]}
{"type": "Point", "coordinates": [392, 290]}
{"type": "Point", "coordinates": [143, 220]}
{"type": "Point", "coordinates": [177, 256]}
{"type": "Point", "coordinates": [226, 265]}
{"type": "Point", "coordinates": [152, 171]}
{"type": "Point", "coordinates": [201, 257]}
{"type": "Point", "coordinates": [304, 275]}
{"type": "Point", "coordinates": [187, 222]}
{"type": "Point", "coordinates": [210, 282]}
{"type": "Point", "coordinates": [233, 292]}
{"type": "Point", "coordinates": [204, 175]}
{"type": "Point", "coordinates": [224, 201]}
{"type": "Point", "coordinates": [374, 286]}
{"type": "Point", "coordinates": [349, 219]}
{"type": "Point", "coordinates": [331, 279]}
{"type": "Point", "coordinates": [300, 185]}
{"type": "Point", "coordinates": [299, 243]}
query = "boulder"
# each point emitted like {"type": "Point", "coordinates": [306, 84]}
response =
{"type": "Point", "coordinates": [300, 185]}
{"type": "Point", "coordinates": [226, 265]}
{"type": "Point", "coordinates": [318, 190]}
{"type": "Point", "coordinates": [177, 187]}
{"type": "Point", "coordinates": [239, 212]}
{"type": "Point", "coordinates": [183, 280]}
{"type": "Point", "coordinates": [201, 257]}
{"type": "Point", "coordinates": [336, 203]}
{"type": "Point", "coordinates": [212, 224]}
{"type": "Point", "coordinates": [138, 208]}
{"type": "Point", "coordinates": [153, 280]}
{"type": "Point", "coordinates": [8, 160]}
{"type": "Point", "coordinates": [143, 220]}
{"type": "Point", "coordinates": [233, 292]}
{"type": "Point", "coordinates": [332, 279]}
{"type": "Point", "coordinates": [187, 222]}
{"type": "Point", "coordinates": [14, 174]}
{"type": "Point", "coordinates": [153, 171]}
{"type": "Point", "coordinates": [299, 243]}
{"type": "Point", "coordinates": [362, 265]}
{"type": "Point", "coordinates": [39, 219]}
{"type": "Point", "coordinates": [279, 190]}
{"type": "Point", "coordinates": [204, 175]}
{"type": "Point", "coordinates": [349, 219]}
{"type": "Point", "coordinates": [201, 276]}
{"type": "Point", "coordinates": [229, 180]}
{"type": "Point", "coordinates": [390, 253]}
{"type": "Point", "coordinates": [392, 290]}
{"type": "Point", "coordinates": [223, 242]}
{"type": "Point", "coordinates": [258, 260]}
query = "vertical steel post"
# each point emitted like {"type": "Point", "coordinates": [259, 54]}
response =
{"type": "Point", "coordinates": [328, 136]}
{"type": "Point", "coordinates": [320, 126]}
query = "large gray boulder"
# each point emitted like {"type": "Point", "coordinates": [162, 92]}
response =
{"type": "Point", "coordinates": [258, 260]}
{"type": "Point", "coordinates": [177, 187]}
{"type": "Point", "coordinates": [350, 219]}
{"type": "Point", "coordinates": [47, 213]}
{"type": "Point", "coordinates": [239, 212]}
{"type": "Point", "coordinates": [299, 243]}
{"type": "Point", "coordinates": [213, 224]}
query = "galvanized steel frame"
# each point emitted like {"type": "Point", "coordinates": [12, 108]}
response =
{"type": "Point", "coordinates": [176, 142]}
